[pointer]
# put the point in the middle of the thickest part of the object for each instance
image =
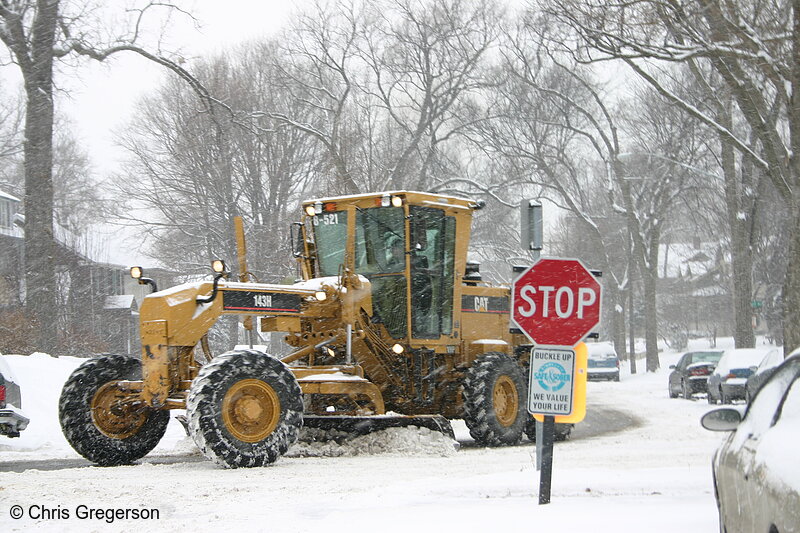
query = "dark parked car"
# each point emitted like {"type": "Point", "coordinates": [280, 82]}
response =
{"type": "Point", "coordinates": [726, 382]}
{"type": "Point", "coordinates": [763, 372]}
{"type": "Point", "coordinates": [755, 470]}
{"type": "Point", "coordinates": [690, 375]}
{"type": "Point", "coordinates": [12, 421]}
{"type": "Point", "coordinates": [603, 362]}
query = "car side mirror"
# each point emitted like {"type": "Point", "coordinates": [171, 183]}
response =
{"type": "Point", "coordinates": [725, 419]}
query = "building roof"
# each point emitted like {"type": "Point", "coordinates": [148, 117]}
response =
{"type": "Point", "coordinates": [687, 260]}
{"type": "Point", "coordinates": [120, 301]}
{"type": "Point", "coordinates": [9, 197]}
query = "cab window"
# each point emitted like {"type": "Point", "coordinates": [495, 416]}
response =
{"type": "Point", "coordinates": [330, 240]}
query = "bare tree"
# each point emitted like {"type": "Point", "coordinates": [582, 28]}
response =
{"type": "Point", "coordinates": [754, 50]}
{"type": "Point", "coordinates": [77, 202]}
{"type": "Point", "coordinates": [556, 120]}
{"type": "Point", "coordinates": [196, 170]}
{"type": "Point", "coordinates": [318, 52]}
{"type": "Point", "coordinates": [11, 125]}
{"type": "Point", "coordinates": [386, 82]}
{"type": "Point", "coordinates": [37, 34]}
{"type": "Point", "coordinates": [426, 60]}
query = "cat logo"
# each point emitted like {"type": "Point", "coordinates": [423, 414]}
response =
{"type": "Point", "coordinates": [481, 303]}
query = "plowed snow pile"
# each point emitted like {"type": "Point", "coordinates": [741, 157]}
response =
{"type": "Point", "coordinates": [401, 441]}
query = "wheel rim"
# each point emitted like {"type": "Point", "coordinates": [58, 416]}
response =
{"type": "Point", "coordinates": [251, 410]}
{"type": "Point", "coordinates": [506, 401]}
{"type": "Point", "coordinates": [110, 416]}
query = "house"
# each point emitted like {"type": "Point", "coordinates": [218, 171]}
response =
{"type": "Point", "coordinates": [694, 295]}
{"type": "Point", "coordinates": [11, 252]}
{"type": "Point", "coordinates": [98, 301]}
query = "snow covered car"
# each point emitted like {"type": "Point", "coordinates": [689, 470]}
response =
{"type": "Point", "coordinates": [763, 372]}
{"type": "Point", "coordinates": [603, 362]}
{"type": "Point", "coordinates": [12, 420]}
{"type": "Point", "coordinates": [690, 375]}
{"type": "Point", "coordinates": [726, 382]}
{"type": "Point", "coordinates": [755, 470]}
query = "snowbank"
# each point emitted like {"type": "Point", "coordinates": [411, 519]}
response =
{"type": "Point", "coordinates": [653, 477]}
{"type": "Point", "coordinates": [41, 378]}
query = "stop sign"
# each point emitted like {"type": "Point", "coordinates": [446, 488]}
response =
{"type": "Point", "coordinates": [556, 302]}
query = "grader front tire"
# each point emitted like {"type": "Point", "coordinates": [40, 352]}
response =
{"type": "Point", "coordinates": [495, 400]}
{"type": "Point", "coordinates": [94, 421]}
{"type": "Point", "coordinates": [245, 409]}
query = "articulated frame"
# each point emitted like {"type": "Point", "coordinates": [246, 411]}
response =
{"type": "Point", "coordinates": [169, 341]}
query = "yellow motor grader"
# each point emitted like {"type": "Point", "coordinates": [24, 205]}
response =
{"type": "Point", "coordinates": [390, 326]}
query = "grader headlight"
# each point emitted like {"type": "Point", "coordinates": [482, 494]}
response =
{"type": "Point", "coordinates": [310, 211]}
{"type": "Point", "coordinates": [321, 296]}
{"type": "Point", "coordinates": [218, 266]}
{"type": "Point", "coordinates": [397, 201]}
{"type": "Point", "coordinates": [137, 273]}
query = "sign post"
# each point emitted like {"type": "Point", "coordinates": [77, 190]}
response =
{"type": "Point", "coordinates": [556, 303]}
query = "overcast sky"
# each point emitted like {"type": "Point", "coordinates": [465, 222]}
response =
{"type": "Point", "coordinates": [102, 99]}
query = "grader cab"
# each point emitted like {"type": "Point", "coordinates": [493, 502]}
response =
{"type": "Point", "coordinates": [389, 317]}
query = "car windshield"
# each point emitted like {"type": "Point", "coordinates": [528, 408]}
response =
{"type": "Point", "coordinates": [603, 362]}
{"type": "Point", "coordinates": [773, 359]}
{"type": "Point", "coordinates": [705, 357]}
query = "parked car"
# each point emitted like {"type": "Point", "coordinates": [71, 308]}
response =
{"type": "Point", "coordinates": [726, 382]}
{"type": "Point", "coordinates": [755, 470]}
{"type": "Point", "coordinates": [690, 375]}
{"type": "Point", "coordinates": [603, 362]}
{"type": "Point", "coordinates": [561, 432]}
{"type": "Point", "coordinates": [12, 420]}
{"type": "Point", "coordinates": [763, 372]}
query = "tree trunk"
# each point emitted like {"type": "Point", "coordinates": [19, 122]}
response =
{"type": "Point", "coordinates": [742, 264]}
{"type": "Point", "coordinates": [650, 318]}
{"type": "Point", "coordinates": [645, 255]}
{"type": "Point", "coordinates": [791, 284]}
{"type": "Point", "coordinates": [618, 320]}
{"type": "Point", "coordinates": [631, 334]}
{"type": "Point", "coordinates": [40, 248]}
{"type": "Point", "coordinates": [791, 287]}
{"type": "Point", "coordinates": [741, 252]}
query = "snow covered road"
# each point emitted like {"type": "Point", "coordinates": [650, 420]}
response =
{"type": "Point", "coordinates": [655, 477]}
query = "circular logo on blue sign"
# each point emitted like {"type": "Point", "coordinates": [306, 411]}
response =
{"type": "Point", "coordinates": [552, 377]}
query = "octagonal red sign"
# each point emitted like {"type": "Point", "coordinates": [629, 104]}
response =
{"type": "Point", "coordinates": [556, 302]}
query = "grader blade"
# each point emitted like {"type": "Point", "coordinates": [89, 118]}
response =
{"type": "Point", "coordinates": [355, 426]}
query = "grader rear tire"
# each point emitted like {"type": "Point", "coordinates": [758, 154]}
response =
{"type": "Point", "coordinates": [245, 409]}
{"type": "Point", "coordinates": [495, 400]}
{"type": "Point", "coordinates": [94, 426]}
